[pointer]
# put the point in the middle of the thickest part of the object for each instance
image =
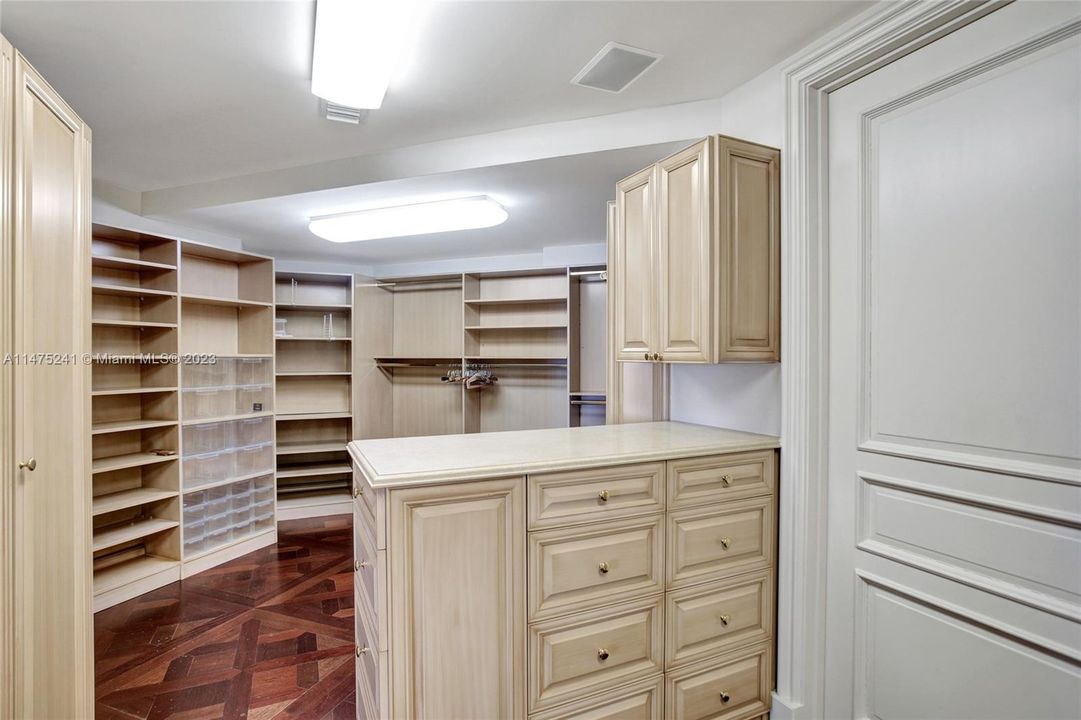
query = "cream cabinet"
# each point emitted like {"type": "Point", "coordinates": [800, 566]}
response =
{"type": "Point", "coordinates": [694, 259]}
{"type": "Point", "coordinates": [611, 590]}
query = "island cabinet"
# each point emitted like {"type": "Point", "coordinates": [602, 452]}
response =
{"type": "Point", "coordinates": [620, 571]}
{"type": "Point", "coordinates": [695, 256]}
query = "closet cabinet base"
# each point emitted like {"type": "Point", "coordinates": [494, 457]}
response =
{"type": "Point", "coordinates": [130, 579]}
{"type": "Point", "coordinates": [229, 552]}
{"type": "Point", "coordinates": [300, 508]}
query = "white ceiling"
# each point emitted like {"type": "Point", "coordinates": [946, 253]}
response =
{"type": "Point", "coordinates": [186, 92]}
{"type": "Point", "coordinates": [553, 202]}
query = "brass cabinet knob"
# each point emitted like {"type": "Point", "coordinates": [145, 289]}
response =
{"type": "Point", "coordinates": [603, 567]}
{"type": "Point", "coordinates": [658, 356]}
{"type": "Point", "coordinates": [648, 356]}
{"type": "Point", "coordinates": [725, 619]}
{"type": "Point", "coordinates": [364, 650]}
{"type": "Point", "coordinates": [31, 464]}
{"type": "Point", "coordinates": [725, 697]}
{"type": "Point", "coordinates": [358, 564]}
{"type": "Point", "coordinates": [356, 491]}
{"type": "Point", "coordinates": [602, 654]}
{"type": "Point", "coordinates": [725, 542]}
{"type": "Point", "coordinates": [726, 480]}
{"type": "Point", "coordinates": [603, 496]}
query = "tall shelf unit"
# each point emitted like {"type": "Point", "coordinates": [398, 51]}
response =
{"type": "Point", "coordinates": [135, 421]}
{"type": "Point", "coordinates": [419, 340]}
{"type": "Point", "coordinates": [182, 409]}
{"type": "Point", "coordinates": [314, 338]}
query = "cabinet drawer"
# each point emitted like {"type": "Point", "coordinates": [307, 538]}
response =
{"type": "Point", "coordinates": [373, 503]}
{"type": "Point", "coordinates": [732, 686]}
{"type": "Point", "coordinates": [709, 619]}
{"type": "Point", "coordinates": [719, 541]}
{"type": "Point", "coordinates": [586, 496]}
{"type": "Point", "coordinates": [579, 568]}
{"type": "Point", "coordinates": [693, 482]}
{"type": "Point", "coordinates": [642, 701]}
{"type": "Point", "coordinates": [594, 651]}
{"type": "Point", "coordinates": [367, 659]}
{"type": "Point", "coordinates": [369, 578]}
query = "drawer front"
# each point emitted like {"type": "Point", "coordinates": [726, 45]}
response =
{"type": "Point", "coordinates": [719, 541]}
{"type": "Point", "coordinates": [367, 659]}
{"type": "Point", "coordinates": [373, 503]}
{"type": "Point", "coordinates": [642, 701]}
{"type": "Point", "coordinates": [693, 482]}
{"type": "Point", "coordinates": [732, 686]}
{"type": "Point", "coordinates": [709, 619]}
{"type": "Point", "coordinates": [578, 568]}
{"type": "Point", "coordinates": [586, 496]}
{"type": "Point", "coordinates": [594, 651]}
{"type": "Point", "coordinates": [369, 578]}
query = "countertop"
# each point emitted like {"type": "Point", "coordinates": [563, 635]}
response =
{"type": "Point", "coordinates": [406, 462]}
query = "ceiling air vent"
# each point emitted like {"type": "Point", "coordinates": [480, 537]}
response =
{"type": "Point", "coordinates": [615, 67]}
{"type": "Point", "coordinates": [341, 113]}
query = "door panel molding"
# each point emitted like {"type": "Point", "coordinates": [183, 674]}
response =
{"type": "Point", "coordinates": [870, 41]}
{"type": "Point", "coordinates": [1013, 461]}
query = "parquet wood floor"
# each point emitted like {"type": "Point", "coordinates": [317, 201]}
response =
{"type": "Point", "coordinates": [268, 635]}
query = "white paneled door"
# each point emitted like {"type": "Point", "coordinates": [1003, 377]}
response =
{"type": "Point", "coordinates": [955, 384]}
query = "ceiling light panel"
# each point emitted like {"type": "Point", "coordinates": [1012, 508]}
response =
{"type": "Point", "coordinates": [358, 47]}
{"type": "Point", "coordinates": [416, 219]}
{"type": "Point", "coordinates": [615, 67]}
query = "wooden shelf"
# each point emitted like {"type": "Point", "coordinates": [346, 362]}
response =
{"type": "Point", "coordinates": [225, 418]}
{"type": "Point", "coordinates": [228, 481]}
{"type": "Point", "coordinates": [129, 498]}
{"type": "Point", "coordinates": [423, 361]}
{"type": "Point", "coordinates": [119, 462]}
{"type": "Point", "coordinates": [130, 571]}
{"type": "Point", "coordinates": [314, 470]}
{"type": "Point", "coordinates": [126, 533]}
{"type": "Point", "coordinates": [312, 487]}
{"type": "Point", "coordinates": [562, 326]}
{"type": "Point", "coordinates": [243, 355]}
{"type": "Point", "coordinates": [126, 425]}
{"type": "Point", "coordinates": [302, 448]}
{"type": "Point", "coordinates": [517, 360]}
{"type": "Point", "coordinates": [517, 301]}
{"type": "Point", "coordinates": [291, 338]}
{"type": "Point", "coordinates": [315, 373]}
{"type": "Point", "coordinates": [106, 392]}
{"type": "Point", "coordinates": [313, 416]}
{"type": "Point", "coordinates": [222, 301]}
{"type": "Point", "coordinates": [107, 289]}
{"type": "Point", "coordinates": [119, 263]}
{"type": "Point", "coordinates": [305, 306]}
{"type": "Point", "coordinates": [131, 323]}
{"type": "Point", "coordinates": [583, 393]}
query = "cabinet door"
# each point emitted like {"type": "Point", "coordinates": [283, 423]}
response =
{"type": "Point", "coordinates": [685, 254]}
{"type": "Point", "coordinates": [50, 309]}
{"type": "Point", "coordinates": [749, 227]}
{"type": "Point", "coordinates": [632, 266]}
{"type": "Point", "coordinates": [457, 590]}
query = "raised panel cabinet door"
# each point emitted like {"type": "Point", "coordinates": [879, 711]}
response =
{"type": "Point", "coordinates": [457, 590]}
{"type": "Point", "coordinates": [749, 226]}
{"type": "Point", "coordinates": [50, 282]}
{"type": "Point", "coordinates": [684, 255]}
{"type": "Point", "coordinates": [633, 254]}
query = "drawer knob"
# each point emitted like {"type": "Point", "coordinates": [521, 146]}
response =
{"type": "Point", "coordinates": [648, 356]}
{"type": "Point", "coordinates": [31, 464]}
{"type": "Point", "coordinates": [725, 697]}
{"type": "Point", "coordinates": [361, 651]}
{"type": "Point", "coordinates": [356, 491]}
{"type": "Point", "coordinates": [726, 480]}
{"type": "Point", "coordinates": [602, 654]}
{"type": "Point", "coordinates": [603, 567]}
{"type": "Point", "coordinates": [725, 619]}
{"type": "Point", "coordinates": [603, 496]}
{"type": "Point", "coordinates": [725, 542]}
{"type": "Point", "coordinates": [360, 564]}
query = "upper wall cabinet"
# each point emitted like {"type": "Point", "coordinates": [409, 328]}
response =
{"type": "Point", "coordinates": [695, 258]}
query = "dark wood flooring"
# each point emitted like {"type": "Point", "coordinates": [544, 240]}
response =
{"type": "Point", "coordinates": [268, 635]}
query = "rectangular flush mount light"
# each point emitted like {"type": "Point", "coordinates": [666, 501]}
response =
{"type": "Point", "coordinates": [418, 219]}
{"type": "Point", "coordinates": [358, 45]}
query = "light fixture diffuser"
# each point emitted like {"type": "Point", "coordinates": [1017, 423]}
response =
{"type": "Point", "coordinates": [468, 213]}
{"type": "Point", "coordinates": [358, 45]}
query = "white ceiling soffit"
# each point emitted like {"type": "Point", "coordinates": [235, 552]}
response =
{"type": "Point", "coordinates": [577, 185]}
{"type": "Point", "coordinates": [210, 102]}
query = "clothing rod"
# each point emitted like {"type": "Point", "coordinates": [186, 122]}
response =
{"type": "Point", "coordinates": [588, 402]}
{"type": "Point", "coordinates": [603, 274]}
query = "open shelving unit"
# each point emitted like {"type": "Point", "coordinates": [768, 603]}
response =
{"type": "Point", "coordinates": [135, 429]}
{"type": "Point", "coordinates": [314, 393]}
{"type": "Point", "coordinates": [588, 361]}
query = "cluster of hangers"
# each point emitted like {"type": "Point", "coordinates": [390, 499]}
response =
{"type": "Point", "coordinates": [474, 377]}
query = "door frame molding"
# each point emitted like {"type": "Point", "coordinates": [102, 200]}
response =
{"type": "Point", "coordinates": [868, 42]}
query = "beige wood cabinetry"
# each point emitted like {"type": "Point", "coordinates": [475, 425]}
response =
{"type": "Point", "coordinates": [45, 585]}
{"type": "Point", "coordinates": [621, 571]}
{"type": "Point", "coordinates": [695, 263]}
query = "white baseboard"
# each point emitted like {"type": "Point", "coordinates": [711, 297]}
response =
{"type": "Point", "coordinates": [782, 710]}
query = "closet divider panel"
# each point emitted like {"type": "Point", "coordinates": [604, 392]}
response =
{"type": "Point", "coordinates": [314, 392]}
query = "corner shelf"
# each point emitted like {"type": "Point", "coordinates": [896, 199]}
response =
{"type": "Point", "coordinates": [112, 536]}
{"type": "Point", "coordinates": [129, 498]}
{"type": "Point", "coordinates": [110, 289]}
{"type": "Point", "coordinates": [120, 462]}
{"type": "Point", "coordinates": [222, 301]}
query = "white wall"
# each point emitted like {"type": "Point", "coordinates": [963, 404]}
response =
{"type": "Point", "coordinates": [744, 397]}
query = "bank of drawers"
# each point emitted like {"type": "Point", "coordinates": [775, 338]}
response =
{"type": "Point", "coordinates": [650, 591]}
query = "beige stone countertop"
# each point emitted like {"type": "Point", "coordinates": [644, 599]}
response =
{"type": "Point", "coordinates": [404, 462]}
